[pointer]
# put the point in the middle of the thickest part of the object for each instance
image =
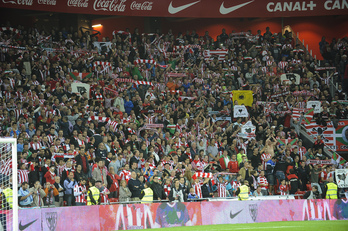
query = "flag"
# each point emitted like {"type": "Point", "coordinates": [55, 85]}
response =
{"type": "Point", "coordinates": [243, 97]}
{"type": "Point", "coordinates": [287, 141]}
{"type": "Point", "coordinates": [328, 133]}
{"type": "Point", "coordinates": [219, 53]}
{"type": "Point", "coordinates": [308, 116]}
{"type": "Point", "coordinates": [336, 158]}
{"type": "Point", "coordinates": [296, 113]}
{"type": "Point", "coordinates": [74, 75]}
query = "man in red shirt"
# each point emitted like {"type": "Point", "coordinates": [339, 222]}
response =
{"type": "Point", "coordinates": [233, 165]}
{"type": "Point", "coordinates": [224, 160]}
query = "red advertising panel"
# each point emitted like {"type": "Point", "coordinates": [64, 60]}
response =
{"type": "Point", "coordinates": [187, 8]}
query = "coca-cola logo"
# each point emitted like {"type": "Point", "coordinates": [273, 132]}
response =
{"type": "Point", "coordinates": [47, 2]}
{"type": "Point", "coordinates": [19, 2]}
{"type": "Point", "coordinates": [78, 3]}
{"type": "Point", "coordinates": [141, 6]}
{"type": "Point", "coordinates": [109, 5]}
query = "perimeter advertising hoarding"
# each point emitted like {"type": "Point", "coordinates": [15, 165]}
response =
{"type": "Point", "coordinates": [187, 8]}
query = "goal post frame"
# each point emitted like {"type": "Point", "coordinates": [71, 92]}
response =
{"type": "Point", "coordinates": [13, 142]}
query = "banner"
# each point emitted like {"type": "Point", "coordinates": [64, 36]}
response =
{"type": "Point", "coordinates": [148, 216]}
{"type": "Point", "coordinates": [287, 78]}
{"type": "Point", "coordinates": [80, 88]}
{"type": "Point", "coordinates": [186, 8]}
{"type": "Point", "coordinates": [328, 133]}
{"type": "Point", "coordinates": [342, 136]}
{"type": "Point", "coordinates": [243, 97]}
{"type": "Point", "coordinates": [240, 111]}
{"type": "Point", "coordinates": [336, 139]}
{"type": "Point", "coordinates": [248, 130]}
{"type": "Point", "coordinates": [162, 215]}
{"type": "Point", "coordinates": [316, 105]}
{"type": "Point", "coordinates": [341, 178]}
{"type": "Point", "coordinates": [102, 46]}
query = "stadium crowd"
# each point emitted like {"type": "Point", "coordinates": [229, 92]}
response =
{"type": "Point", "coordinates": [159, 114]}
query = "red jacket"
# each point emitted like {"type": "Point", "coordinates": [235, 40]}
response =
{"type": "Point", "coordinates": [233, 166]}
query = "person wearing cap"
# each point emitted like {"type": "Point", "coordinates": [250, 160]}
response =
{"type": "Point", "coordinates": [158, 191]}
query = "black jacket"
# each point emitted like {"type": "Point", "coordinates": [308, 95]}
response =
{"type": "Point", "coordinates": [135, 186]}
{"type": "Point", "coordinates": [79, 161]}
{"type": "Point", "coordinates": [158, 191]}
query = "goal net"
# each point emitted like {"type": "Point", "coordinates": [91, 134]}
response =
{"type": "Point", "coordinates": [8, 184]}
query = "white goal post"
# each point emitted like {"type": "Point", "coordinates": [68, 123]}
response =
{"type": "Point", "coordinates": [11, 214]}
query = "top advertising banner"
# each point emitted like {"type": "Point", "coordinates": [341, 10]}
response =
{"type": "Point", "coordinates": [187, 8]}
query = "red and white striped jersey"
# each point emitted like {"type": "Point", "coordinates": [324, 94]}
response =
{"type": "Point", "coordinates": [60, 169]}
{"type": "Point", "coordinates": [236, 185]}
{"type": "Point", "coordinates": [6, 167]}
{"type": "Point", "coordinates": [283, 189]}
{"type": "Point", "coordinates": [23, 176]}
{"type": "Point", "coordinates": [80, 197]}
{"type": "Point", "coordinates": [34, 145]}
{"type": "Point", "coordinates": [51, 138]}
{"type": "Point", "coordinates": [167, 189]}
{"type": "Point", "coordinates": [264, 157]}
{"type": "Point", "coordinates": [198, 189]}
{"type": "Point", "coordinates": [323, 176]}
{"type": "Point", "coordinates": [262, 180]}
{"type": "Point", "coordinates": [104, 196]}
{"type": "Point", "coordinates": [221, 189]}
{"type": "Point", "coordinates": [283, 64]}
{"type": "Point", "coordinates": [125, 175]}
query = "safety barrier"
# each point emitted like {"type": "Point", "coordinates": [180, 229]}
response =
{"type": "Point", "coordinates": [159, 215]}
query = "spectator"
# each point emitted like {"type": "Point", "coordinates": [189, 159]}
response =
{"type": "Point", "coordinates": [69, 185]}
{"type": "Point", "coordinates": [51, 192]}
{"type": "Point", "coordinates": [80, 192]}
{"type": "Point", "coordinates": [135, 186]}
{"type": "Point", "coordinates": [176, 193]}
{"type": "Point", "coordinates": [99, 173]}
{"type": "Point", "coordinates": [38, 194]}
{"type": "Point", "coordinates": [113, 182]}
{"type": "Point", "coordinates": [125, 193]}
{"type": "Point", "coordinates": [313, 194]}
{"type": "Point", "coordinates": [158, 190]}
{"type": "Point", "coordinates": [294, 184]}
{"type": "Point", "coordinates": [58, 199]}
{"type": "Point", "coordinates": [25, 196]}
{"type": "Point", "coordinates": [257, 192]}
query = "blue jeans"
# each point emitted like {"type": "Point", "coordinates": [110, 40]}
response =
{"type": "Point", "coordinates": [280, 175]}
{"type": "Point", "coordinates": [70, 199]}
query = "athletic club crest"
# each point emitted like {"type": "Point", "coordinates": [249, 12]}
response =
{"type": "Point", "coordinates": [51, 220]}
{"type": "Point", "coordinates": [253, 211]}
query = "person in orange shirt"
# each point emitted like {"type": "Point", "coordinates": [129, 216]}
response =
{"type": "Point", "coordinates": [172, 86]}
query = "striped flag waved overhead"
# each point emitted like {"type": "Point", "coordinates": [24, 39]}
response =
{"type": "Point", "coordinates": [307, 114]}
{"type": "Point", "coordinates": [210, 54]}
{"type": "Point", "coordinates": [80, 76]}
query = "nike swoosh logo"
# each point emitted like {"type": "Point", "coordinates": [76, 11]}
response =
{"type": "Point", "coordinates": [228, 10]}
{"type": "Point", "coordinates": [23, 227]}
{"type": "Point", "coordinates": [174, 10]}
{"type": "Point", "coordinates": [234, 215]}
